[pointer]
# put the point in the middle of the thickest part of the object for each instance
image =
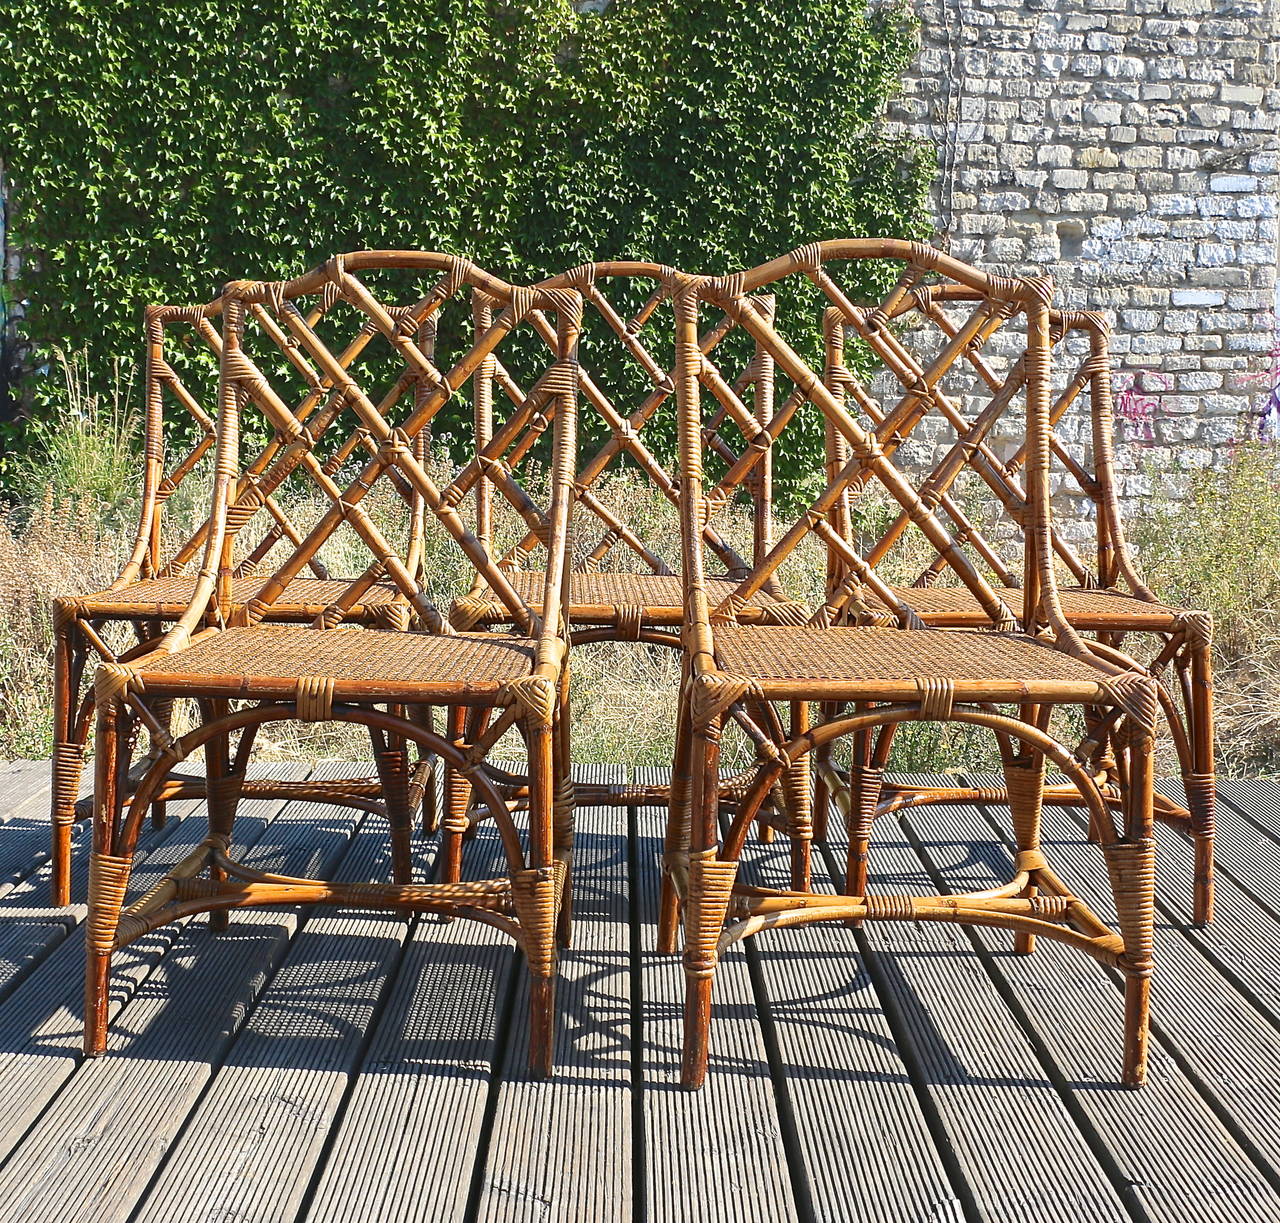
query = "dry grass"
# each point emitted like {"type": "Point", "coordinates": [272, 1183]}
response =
{"type": "Point", "coordinates": [1219, 549]}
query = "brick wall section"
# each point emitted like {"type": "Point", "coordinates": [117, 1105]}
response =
{"type": "Point", "coordinates": [1131, 148]}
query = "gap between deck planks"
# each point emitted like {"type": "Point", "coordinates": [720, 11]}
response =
{"type": "Point", "coordinates": [377, 1074]}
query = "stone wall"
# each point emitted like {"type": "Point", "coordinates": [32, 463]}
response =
{"type": "Point", "coordinates": [1131, 148]}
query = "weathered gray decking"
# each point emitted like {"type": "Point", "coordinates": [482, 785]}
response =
{"type": "Point", "coordinates": [340, 1067]}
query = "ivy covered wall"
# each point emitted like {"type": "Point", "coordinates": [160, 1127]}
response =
{"type": "Point", "coordinates": [156, 150]}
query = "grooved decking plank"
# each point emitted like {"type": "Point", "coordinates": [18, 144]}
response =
{"type": "Point", "coordinates": [252, 1144]}
{"type": "Point", "coordinates": [21, 781]}
{"type": "Point", "coordinates": [41, 1021]}
{"type": "Point", "coordinates": [27, 938]}
{"type": "Point", "coordinates": [715, 1154]}
{"type": "Point", "coordinates": [408, 1136]}
{"type": "Point", "coordinates": [973, 1061]}
{"type": "Point", "coordinates": [25, 846]}
{"type": "Point", "coordinates": [557, 1151]}
{"type": "Point", "coordinates": [1256, 797]}
{"type": "Point", "coordinates": [843, 1075]}
{"type": "Point", "coordinates": [1244, 846]}
{"type": "Point", "coordinates": [97, 1144]}
{"type": "Point", "coordinates": [25, 823]}
{"type": "Point", "coordinates": [1172, 1157]}
{"type": "Point", "coordinates": [1231, 1052]}
{"type": "Point", "coordinates": [1241, 939]}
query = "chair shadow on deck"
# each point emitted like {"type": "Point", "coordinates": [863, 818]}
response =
{"type": "Point", "coordinates": [450, 1001]}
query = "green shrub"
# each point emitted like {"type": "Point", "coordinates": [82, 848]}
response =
{"type": "Point", "coordinates": [158, 150]}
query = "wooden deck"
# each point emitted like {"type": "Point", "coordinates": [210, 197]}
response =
{"type": "Point", "coordinates": [339, 1067]}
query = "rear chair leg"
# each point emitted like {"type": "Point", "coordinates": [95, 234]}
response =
{"type": "Point", "coordinates": [457, 798]}
{"type": "Point", "coordinates": [68, 752]}
{"type": "Point", "coordinates": [163, 711]}
{"type": "Point", "coordinates": [393, 775]}
{"type": "Point", "coordinates": [865, 786]}
{"type": "Point", "coordinates": [799, 810]}
{"type": "Point", "coordinates": [676, 842]}
{"type": "Point", "coordinates": [1201, 798]}
{"type": "Point", "coordinates": [224, 786]}
{"type": "Point", "coordinates": [1024, 784]}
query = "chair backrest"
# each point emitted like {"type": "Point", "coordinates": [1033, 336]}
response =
{"type": "Point", "coordinates": [865, 436]}
{"type": "Point", "coordinates": [1082, 373]}
{"type": "Point", "coordinates": [174, 453]}
{"type": "Point", "coordinates": [364, 378]}
{"type": "Point", "coordinates": [627, 373]}
{"type": "Point", "coordinates": [169, 394]}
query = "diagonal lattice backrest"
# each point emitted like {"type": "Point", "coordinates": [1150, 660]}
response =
{"type": "Point", "coordinates": [183, 351]}
{"type": "Point", "coordinates": [867, 434]}
{"type": "Point", "coordinates": [178, 424]}
{"type": "Point", "coordinates": [1081, 444]}
{"type": "Point", "coordinates": [346, 384]}
{"type": "Point", "coordinates": [626, 373]}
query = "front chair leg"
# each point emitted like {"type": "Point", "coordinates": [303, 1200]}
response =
{"type": "Point", "coordinates": [706, 906]}
{"type": "Point", "coordinates": [108, 871]}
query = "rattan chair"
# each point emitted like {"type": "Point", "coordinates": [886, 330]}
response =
{"type": "Point", "coordinates": [622, 590]}
{"type": "Point", "coordinates": [1107, 598]}
{"type": "Point", "coordinates": [157, 582]}
{"type": "Point", "coordinates": [877, 678]}
{"type": "Point", "coordinates": [247, 672]}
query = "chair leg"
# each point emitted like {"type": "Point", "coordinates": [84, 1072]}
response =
{"type": "Point", "coordinates": [799, 809]}
{"type": "Point", "coordinates": [1131, 866]}
{"type": "Point", "coordinates": [457, 798]}
{"type": "Point", "coordinates": [1201, 795]}
{"type": "Point", "coordinates": [1024, 784]}
{"type": "Point", "coordinates": [108, 873]}
{"type": "Point", "coordinates": [865, 785]}
{"type": "Point", "coordinates": [422, 779]}
{"type": "Point", "coordinates": [675, 845]}
{"type": "Point", "coordinates": [710, 890]}
{"type": "Point", "coordinates": [535, 894]}
{"type": "Point", "coordinates": [224, 788]}
{"type": "Point", "coordinates": [393, 775]}
{"type": "Point", "coordinates": [68, 754]}
{"type": "Point", "coordinates": [821, 794]}
{"type": "Point", "coordinates": [163, 711]}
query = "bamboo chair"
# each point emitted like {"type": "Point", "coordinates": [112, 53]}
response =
{"type": "Point", "coordinates": [1109, 600]}
{"type": "Point", "coordinates": [247, 672]}
{"type": "Point", "coordinates": [623, 590]}
{"type": "Point", "coordinates": [156, 584]}
{"type": "Point", "coordinates": [869, 679]}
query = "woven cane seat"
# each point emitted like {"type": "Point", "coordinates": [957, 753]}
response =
{"type": "Point", "coordinates": [167, 598]}
{"type": "Point", "coordinates": [955, 606]}
{"type": "Point", "coordinates": [272, 657]}
{"type": "Point", "coordinates": [595, 596]}
{"type": "Point", "coordinates": [782, 654]}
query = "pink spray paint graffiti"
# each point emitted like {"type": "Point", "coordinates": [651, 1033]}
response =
{"type": "Point", "coordinates": [1266, 414]}
{"type": "Point", "coordinates": [1137, 408]}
